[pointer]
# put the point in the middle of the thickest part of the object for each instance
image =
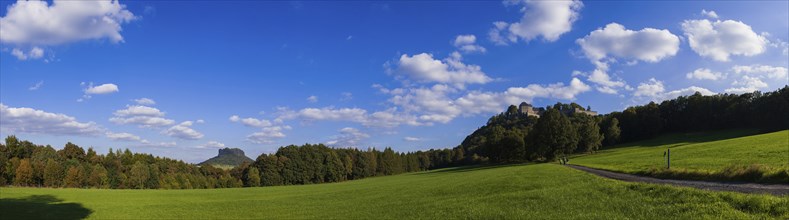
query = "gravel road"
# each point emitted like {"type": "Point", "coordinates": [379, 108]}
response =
{"type": "Point", "coordinates": [775, 189]}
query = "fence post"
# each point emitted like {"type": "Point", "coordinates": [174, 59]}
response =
{"type": "Point", "coordinates": [668, 158]}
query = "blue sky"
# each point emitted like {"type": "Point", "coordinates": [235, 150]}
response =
{"type": "Point", "coordinates": [181, 79]}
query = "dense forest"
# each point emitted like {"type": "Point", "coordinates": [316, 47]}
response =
{"type": "Point", "coordinates": [507, 137]}
{"type": "Point", "coordinates": [513, 137]}
{"type": "Point", "coordinates": [27, 164]}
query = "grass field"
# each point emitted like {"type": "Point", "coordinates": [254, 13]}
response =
{"type": "Point", "coordinates": [722, 155]}
{"type": "Point", "coordinates": [542, 191]}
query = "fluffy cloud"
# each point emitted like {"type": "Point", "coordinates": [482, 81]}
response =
{"type": "Point", "coordinates": [747, 84]}
{"type": "Point", "coordinates": [143, 116]}
{"type": "Point", "coordinates": [703, 73]}
{"type": "Point", "coordinates": [34, 53]}
{"type": "Point", "coordinates": [752, 78]}
{"type": "Point", "coordinates": [139, 110]}
{"type": "Point", "coordinates": [183, 131]}
{"type": "Point", "coordinates": [432, 104]}
{"type": "Point", "coordinates": [467, 44]}
{"type": "Point", "coordinates": [771, 72]}
{"type": "Point", "coordinates": [145, 101]}
{"type": "Point", "coordinates": [614, 41]}
{"type": "Point", "coordinates": [556, 90]}
{"type": "Point", "coordinates": [423, 68]}
{"type": "Point", "coordinates": [390, 118]}
{"type": "Point", "coordinates": [349, 137]}
{"type": "Point", "coordinates": [333, 114]}
{"type": "Point", "coordinates": [604, 82]}
{"type": "Point", "coordinates": [312, 99]}
{"type": "Point", "coordinates": [212, 144]}
{"type": "Point", "coordinates": [251, 122]}
{"type": "Point", "coordinates": [28, 120]}
{"type": "Point", "coordinates": [721, 39]}
{"type": "Point", "coordinates": [412, 139]}
{"type": "Point", "coordinates": [267, 134]}
{"type": "Point", "coordinates": [38, 23]}
{"type": "Point", "coordinates": [549, 19]}
{"type": "Point", "coordinates": [90, 90]}
{"type": "Point", "coordinates": [653, 90]}
{"type": "Point", "coordinates": [686, 92]}
{"type": "Point", "coordinates": [710, 14]}
{"type": "Point", "coordinates": [106, 88]}
{"type": "Point", "coordinates": [123, 136]}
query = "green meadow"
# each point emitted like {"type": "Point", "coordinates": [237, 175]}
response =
{"type": "Point", "coordinates": [539, 191]}
{"type": "Point", "coordinates": [721, 155]}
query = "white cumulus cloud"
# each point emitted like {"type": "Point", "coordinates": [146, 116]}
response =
{"type": "Point", "coordinates": [423, 68]}
{"type": "Point", "coordinates": [703, 73]}
{"type": "Point", "coordinates": [615, 41]}
{"type": "Point", "coordinates": [651, 88]}
{"type": "Point", "coordinates": [710, 13]}
{"type": "Point", "coordinates": [33, 53]}
{"type": "Point", "coordinates": [145, 101]}
{"type": "Point", "coordinates": [546, 19]}
{"type": "Point", "coordinates": [267, 134]}
{"type": "Point", "coordinates": [312, 99]}
{"type": "Point", "coordinates": [91, 90]}
{"type": "Point", "coordinates": [28, 120]}
{"type": "Point", "coordinates": [101, 89]}
{"type": "Point", "coordinates": [143, 116]}
{"type": "Point", "coordinates": [412, 139]}
{"type": "Point", "coordinates": [212, 144]}
{"type": "Point", "coordinates": [467, 44]}
{"type": "Point", "coordinates": [123, 136]}
{"type": "Point", "coordinates": [349, 137]}
{"type": "Point", "coordinates": [747, 84]}
{"type": "Point", "coordinates": [183, 131]}
{"type": "Point", "coordinates": [721, 39]}
{"type": "Point", "coordinates": [251, 122]}
{"type": "Point", "coordinates": [771, 72]}
{"type": "Point", "coordinates": [654, 90]}
{"type": "Point", "coordinates": [38, 23]}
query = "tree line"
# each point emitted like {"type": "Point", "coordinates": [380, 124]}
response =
{"type": "Point", "coordinates": [515, 137]}
{"type": "Point", "coordinates": [27, 164]}
{"type": "Point", "coordinates": [764, 111]}
{"type": "Point", "coordinates": [23, 163]}
{"type": "Point", "coordinates": [506, 138]}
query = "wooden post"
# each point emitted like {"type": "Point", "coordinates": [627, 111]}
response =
{"type": "Point", "coordinates": [668, 159]}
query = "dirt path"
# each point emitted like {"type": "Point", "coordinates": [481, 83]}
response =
{"type": "Point", "coordinates": [775, 189]}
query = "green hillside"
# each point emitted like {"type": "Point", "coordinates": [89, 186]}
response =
{"type": "Point", "coordinates": [543, 191]}
{"type": "Point", "coordinates": [723, 155]}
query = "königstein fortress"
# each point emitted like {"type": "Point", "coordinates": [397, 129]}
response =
{"type": "Point", "coordinates": [528, 109]}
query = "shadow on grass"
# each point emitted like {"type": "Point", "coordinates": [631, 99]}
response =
{"type": "Point", "coordinates": [470, 168]}
{"type": "Point", "coordinates": [41, 207]}
{"type": "Point", "coordinates": [680, 139]}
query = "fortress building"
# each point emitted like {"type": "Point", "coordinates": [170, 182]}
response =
{"type": "Point", "coordinates": [528, 109]}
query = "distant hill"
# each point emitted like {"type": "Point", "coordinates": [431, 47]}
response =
{"type": "Point", "coordinates": [228, 157]}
